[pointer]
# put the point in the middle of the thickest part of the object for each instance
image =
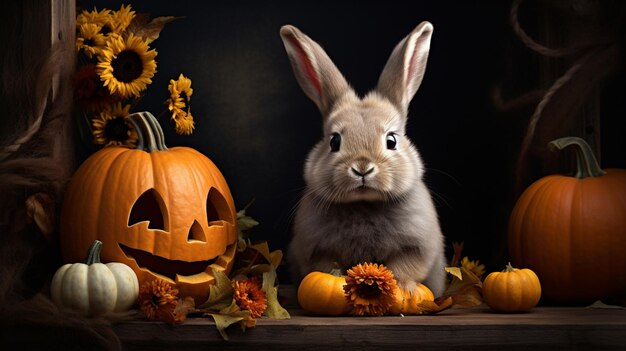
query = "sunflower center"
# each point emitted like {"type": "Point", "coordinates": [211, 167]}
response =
{"type": "Point", "coordinates": [116, 129]}
{"type": "Point", "coordinates": [88, 42]}
{"type": "Point", "coordinates": [127, 66]}
{"type": "Point", "coordinates": [368, 291]}
{"type": "Point", "coordinates": [106, 29]}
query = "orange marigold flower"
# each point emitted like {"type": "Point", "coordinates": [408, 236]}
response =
{"type": "Point", "coordinates": [157, 299]}
{"type": "Point", "coordinates": [249, 296]}
{"type": "Point", "coordinates": [370, 289]}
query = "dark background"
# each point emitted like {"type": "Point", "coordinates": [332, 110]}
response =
{"type": "Point", "coordinates": [256, 124]}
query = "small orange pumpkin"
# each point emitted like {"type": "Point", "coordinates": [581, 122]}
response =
{"type": "Point", "coordinates": [406, 301]}
{"type": "Point", "coordinates": [322, 293]}
{"type": "Point", "coordinates": [573, 229]}
{"type": "Point", "coordinates": [166, 213]}
{"type": "Point", "coordinates": [512, 290]}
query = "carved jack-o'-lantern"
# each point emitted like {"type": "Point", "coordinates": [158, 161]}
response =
{"type": "Point", "coordinates": [166, 213]}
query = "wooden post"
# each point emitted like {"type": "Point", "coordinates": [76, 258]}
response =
{"type": "Point", "coordinates": [62, 30]}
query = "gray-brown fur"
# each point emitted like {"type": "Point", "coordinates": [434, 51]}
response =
{"type": "Point", "coordinates": [365, 202]}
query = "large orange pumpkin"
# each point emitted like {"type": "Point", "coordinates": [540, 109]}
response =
{"type": "Point", "coordinates": [572, 230]}
{"type": "Point", "coordinates": [166, 213]}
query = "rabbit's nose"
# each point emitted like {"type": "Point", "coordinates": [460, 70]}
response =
{"type": "Point", "coordinates": [363, 173]}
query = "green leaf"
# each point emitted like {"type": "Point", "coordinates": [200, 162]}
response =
{"type": "Point", "coordinates": [223, 321]}
{"type": "Point", "coordinates": [274, 309]}
{"type": "Point", "coordinates": [220, 293]}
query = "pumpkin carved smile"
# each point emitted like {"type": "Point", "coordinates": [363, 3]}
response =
{"type": "Point", "coordinates": [163, 266]}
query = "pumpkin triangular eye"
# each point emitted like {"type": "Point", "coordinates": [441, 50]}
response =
{"type": "Point", "coordinates": [196, 233]}
{"type": "Point", "coordinates": [147, 208]}
{"type": "Point", "coordinates": [217, 208]}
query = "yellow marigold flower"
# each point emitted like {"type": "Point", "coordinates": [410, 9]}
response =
{"type": "Point", "coordinates": [157, 299]}
{"type": "Point", "coordinates": [126, 65]}
{"type": "Point", "coordinates": [370, 289]}
{"type": "Point", "coordinates": [250, 297]}
{"type": "Point", "coordinates": [99, 18]}
{"type": "Point", "coordinates": [89, 39]}
{"type": "Point", "coordinates": [111, 127]}
{"type": "Point", "coordinates": [473, 266]}
{"type": "Point", "coordinates": [121, 19]}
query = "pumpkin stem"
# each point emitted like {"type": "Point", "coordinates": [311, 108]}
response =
{"type": "Point", "coordinates": [93, 255]}
{"type": "Point", "coordinates": [587, 164]}
{"type": "Point", "coordinates": [336, 271]}
{"type": "Point", "coordinates": [508, 268]}
{"type": "Point", "coordinates": [149, 132]}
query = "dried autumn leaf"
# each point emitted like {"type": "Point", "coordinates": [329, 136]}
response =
{"type": "Point", "coordinates": [244, 221]}
{"type": "Point", "coordinates": [263, 248]}
{"type": "Point", "coordinates": [467, 278]}
{"type": "Point", "coordinates": [432, 307]}
{"type": "Point", "coordinates": [464, 287]}
{"type": "Point", "coordinates": [275, 258]}
{"type": "Point", "coordinates": [458, 250]}
{"type": "Point", "coordinates": [254, 270]}
{"type": "Point", "coordinates": [244, 224]}
{"type": "Point", "coordinates": [180, 312]}
{"type": "Point", "coordinates": [600, 304]}
{"type": "Point", "coordinates": [220, 293]}
{"type": "Point", "coordinates": [148, 30]}
{"type": "Point", "coordinates": [469, 296]}
{"type": "Point", "coordinates": [455, 271]}
{"type": "Point", "coordinates": [223, 321]}
{"type": "Point", "coordinates": [274, 309]}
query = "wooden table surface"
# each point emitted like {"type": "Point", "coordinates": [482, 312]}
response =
{"type": "Point", "coordinates": [477, 328]}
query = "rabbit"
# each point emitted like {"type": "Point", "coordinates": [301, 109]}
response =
{"type": "Point", "coordinates": [365, 199]}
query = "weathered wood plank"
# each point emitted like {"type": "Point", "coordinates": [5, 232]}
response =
{"type": "Point", "coordinates": [544, 328]}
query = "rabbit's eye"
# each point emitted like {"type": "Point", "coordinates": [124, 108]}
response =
{"type": "Point", "coordinates": [335, 142]}
{"type": "Point", "coordinates": [391, 141]}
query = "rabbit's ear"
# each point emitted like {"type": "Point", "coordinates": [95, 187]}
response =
{"type": "Point", "coordinates": [316, 73]}
{"type": "Point", "coordinates": [405, 68]}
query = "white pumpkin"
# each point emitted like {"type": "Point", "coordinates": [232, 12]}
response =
{"type": "Point", "coordinates": [94, 288]}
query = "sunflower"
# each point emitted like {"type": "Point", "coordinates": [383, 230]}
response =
{"type": "Point", "coordinates": [89, 39]}
{"type": "Point", "coordinates": [473, 266]}
{"type": "Point", "coordinates": [370, 289]}
{"type": "Point", "coordinates": [111, 127]}
{"type": "Point", "coordinates": [99, 18]}
{"type": "Point", "coordinates": [120, 20]}
{"type": "Point", "coordinates": [157, 299]}
{"type": "Point", "coordinates": [126, 65]}
{"type": "Point", "coordinates": [184, 123]}
{"type": "Point", "coordinates": [249, 296]}
{"type": "Point", "coordinates": [89, 92]}
{"type": "Point", "coordinates": [180, 95]}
